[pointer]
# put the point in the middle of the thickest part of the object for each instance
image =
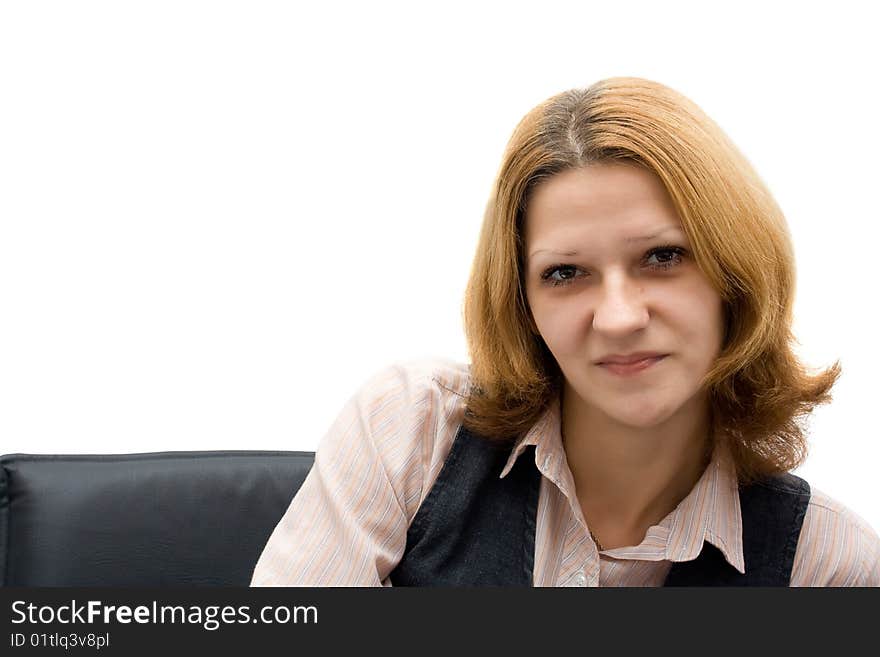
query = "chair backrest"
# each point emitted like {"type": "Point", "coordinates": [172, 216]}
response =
{"type": "Point", "coordinates": [158, 519]}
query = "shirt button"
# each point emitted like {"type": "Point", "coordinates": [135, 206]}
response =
{"type": "Point", "coordinates": [580, 579]}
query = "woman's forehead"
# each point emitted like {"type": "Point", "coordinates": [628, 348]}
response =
{"type": "Point", "coordinates": [600, 190]}
{"type": "Point", "coordinates": [624, 205]}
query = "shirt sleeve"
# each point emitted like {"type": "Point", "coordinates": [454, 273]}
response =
{"type": "Point", "coordinates": [347, 524]}
{"type": "Point", "coordinates": [836, 547]}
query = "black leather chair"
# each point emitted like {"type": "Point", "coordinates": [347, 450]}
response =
{"type": "Point", "coordinates": [158, 519]}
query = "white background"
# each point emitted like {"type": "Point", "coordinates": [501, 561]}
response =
{"type": "Point", "coordinates": [220, 218]}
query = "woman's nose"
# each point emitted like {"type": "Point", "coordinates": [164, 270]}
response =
{"type": "Point", "coordinates": [621, 308]}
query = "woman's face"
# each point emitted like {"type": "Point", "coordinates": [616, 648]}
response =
{"type": "Point", "coordinates": [609, 270]}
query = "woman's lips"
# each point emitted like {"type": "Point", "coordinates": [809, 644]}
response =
{"type": "Point", "coordinates": [631, 368]}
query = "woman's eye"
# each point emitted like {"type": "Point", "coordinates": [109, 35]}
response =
{"type": "Point", "coordinates": [658, 258]}
{"type": "Point", "coordinates": [559, 274]}
{"type": "Point", "coordinates": [669, 256]}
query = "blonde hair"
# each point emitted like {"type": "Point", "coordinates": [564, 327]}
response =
{"type": "Point", "coordinates": [758, 388]}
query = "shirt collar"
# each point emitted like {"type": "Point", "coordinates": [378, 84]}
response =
{"type": "Point", "coordinates": [710, 512]}
{"type": "Point", "coordinates": [713, 508]}
{"type": "Point", "coordinates": [546, 436]}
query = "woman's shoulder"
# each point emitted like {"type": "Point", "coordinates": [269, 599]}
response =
{"type": "Point", "coordinates": [406, 415]}
{"type": "Point", "coordinates": [417, 377]}
{"type": "Point", "coordinates": [834, 514]}
{"type": "Point", "coordinates": [837, 546]}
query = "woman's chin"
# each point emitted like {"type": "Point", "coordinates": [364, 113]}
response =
{"type": "Point", "coordinates": [645, 416]}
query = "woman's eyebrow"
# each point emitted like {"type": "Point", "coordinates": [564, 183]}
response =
{"type": "Point", "coordinates": [628, 240]}
{"type": "Point", "coordinates": [670, 229]}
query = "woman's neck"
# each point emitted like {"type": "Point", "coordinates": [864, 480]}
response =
{"type": "Point", "coordinates": [629, 478]}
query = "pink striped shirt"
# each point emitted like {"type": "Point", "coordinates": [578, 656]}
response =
{"type": "Point", "coordinates": [347, 524]}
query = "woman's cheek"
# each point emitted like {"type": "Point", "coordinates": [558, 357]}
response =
{"type": "Point", "coordinates": [558, 330]}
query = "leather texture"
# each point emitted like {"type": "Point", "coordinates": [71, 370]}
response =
{"type": "Point", "coordinates": [157, 519]}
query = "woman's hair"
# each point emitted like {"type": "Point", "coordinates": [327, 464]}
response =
{"type": "Point", "coordinates": [759, 390]}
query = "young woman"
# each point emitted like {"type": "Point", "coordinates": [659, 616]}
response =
{"type": "Point", "coordinates": [633, 406]}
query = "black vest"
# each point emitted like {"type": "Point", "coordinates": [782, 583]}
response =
{"type": "Point", "coordinates": [476, 529]}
